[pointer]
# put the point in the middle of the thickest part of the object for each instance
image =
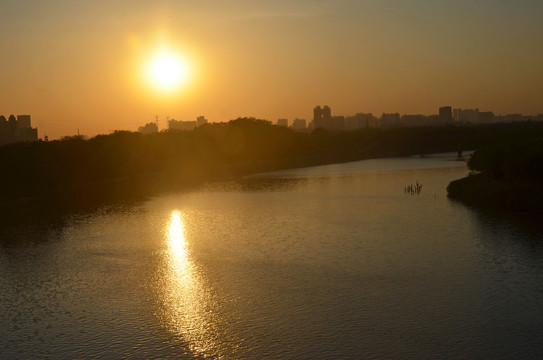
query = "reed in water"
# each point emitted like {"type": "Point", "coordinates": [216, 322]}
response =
{"type": "Point", "coordinates": [413, 189]}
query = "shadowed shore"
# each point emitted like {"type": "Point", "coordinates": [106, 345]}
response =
{"type": "Point", "coordinates": [77, 173]}
{"type": "Point", "coordinates": [507, 176]}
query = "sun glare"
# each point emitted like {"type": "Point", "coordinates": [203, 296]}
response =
{"type": "Point", "coordinates": [167, 71]}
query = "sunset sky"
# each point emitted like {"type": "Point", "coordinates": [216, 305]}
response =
{"type": "Point", "coordinates": [83, 64]}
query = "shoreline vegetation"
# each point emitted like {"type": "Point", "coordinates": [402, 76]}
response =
{"type": "Point", "coordinates": [76, 173]}
{"type": "Point", "coordinates": [506, 176]}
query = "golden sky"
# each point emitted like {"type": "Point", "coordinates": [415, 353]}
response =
{"type": "Point", "coordinates": [82, 64]}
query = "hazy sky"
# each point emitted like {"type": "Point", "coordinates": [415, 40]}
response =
{"type": "Point", "coordinates": [79, 64]}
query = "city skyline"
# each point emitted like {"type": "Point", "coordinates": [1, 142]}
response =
{"type": "Point", "coordinates": [354, 121]}
{"type": "Point", "coordinates": [84, 65]}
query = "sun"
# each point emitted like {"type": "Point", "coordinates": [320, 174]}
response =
{"type": "Point", "coordinates": [167, 70]}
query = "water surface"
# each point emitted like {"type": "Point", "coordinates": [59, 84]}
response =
{"type": "Point", "coordinates": [325, 262]}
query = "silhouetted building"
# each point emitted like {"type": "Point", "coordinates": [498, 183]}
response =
{"type": "Point", "coordinates": [299, 124]}
{"type": "Point", "coordinates": [467, 115]}
{"type": "Point", "coordinates": [17, 129]}
{"type": "Point", "coordinates": [201, 120]}
{"type": "Point", "coordinates": [434, 120]}
{"type": "Point", "coordinates": [513, 117]}
{"type": "Point", "coordinates": [460, 115]}
{"type": "Point", "coordinates": [12, 122]}
{"type": "Point", "coordinates": [149, 128]}
{"type": "Point", "coordinates": [456, 114]}
{"type": "Point", "coordinates": [390, 119]}
{"type": "Point", "coordinates": [181, 125]}
{"type": "Point", "coordinates": [486, 117]}
{"type": "Point", "coordinates": [27, 134]}
{"type": "Point", "coordinates": [322, 118]}
{"type": "Point", "coordinates": [282, 122]}
{"type": "Point", "coordinates": [23, 121]}
{"type": "Point", "coordinates": [445, 114]}
{"type": "Point", "coordinates": [360, 121]}
{"type": "Point", "coordinates": [338, 123]}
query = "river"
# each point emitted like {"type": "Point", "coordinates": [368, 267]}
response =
{"type": "Point", "coordinates": [326, 262]}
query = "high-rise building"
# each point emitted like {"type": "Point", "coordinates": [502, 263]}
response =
{"type": "Point", "coordinates": [282, 122]}
{"type": "Point", "coordinates": [318, 119]}
{"type": "Point", "coordinates": [390, 119]}
{"type": "Point", "coordinates": [12, 122]}
{"type": "Point", "coordinates": [17, 129]}
{"type": "Point", "coordinates": [23, 121]}
{"type": "Point", "coordinates": [360, 121]}
{"type": "Point", "coordinates": [486, 117]}
{"type": "Point", "coordinates": [470, 116]}
{"type": "Point", "coordinates": [201, 120]}
{"type": "Point", "coordinates": [445, 114]}
{"type": "Point", "coordinates": [322, 118]}
{"type": "Point", "coordinates": [456, 114]}
{"type": "Point", "coordinates": [326, 112]}
{"type": "Point", "coordinates": [299, 124]}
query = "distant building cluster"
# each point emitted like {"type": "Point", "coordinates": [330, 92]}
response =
{"type": "Point", "coordinates": [299, 124]}
{"type": "Point", "coordinates": [323, 118]}
{"type": "Point", "coordinates": [485, 117]}
{"type": "Point", "coordinates": [152, 127]}
{"type": "Point", "coordinates": [149, 128]}
{"type": "Point", "coordinates": [186, 125]}
{"type": "Point", "coordinates": [282, 122]}
{"type": "Point", "coordinates": [181, 125]}
{"type": "Point", "coordinates": [16, 129]}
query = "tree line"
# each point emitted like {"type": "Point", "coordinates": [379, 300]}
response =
{"type": "Point", "coordinates": [128, 163]}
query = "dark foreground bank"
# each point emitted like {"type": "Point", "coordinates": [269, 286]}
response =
{"type": "Point", "coordinates": [507, 176]}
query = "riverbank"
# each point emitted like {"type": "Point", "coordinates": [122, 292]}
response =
{"type": "Point", "coordinates": [507, 176]}
{"type": "Point", "coordinates": [481, 191]}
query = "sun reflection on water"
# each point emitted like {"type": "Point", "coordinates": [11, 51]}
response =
{"type": "Point", "coordinates": [177, 243]}
{"type": "Point", "coordinates": [188, 302]}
